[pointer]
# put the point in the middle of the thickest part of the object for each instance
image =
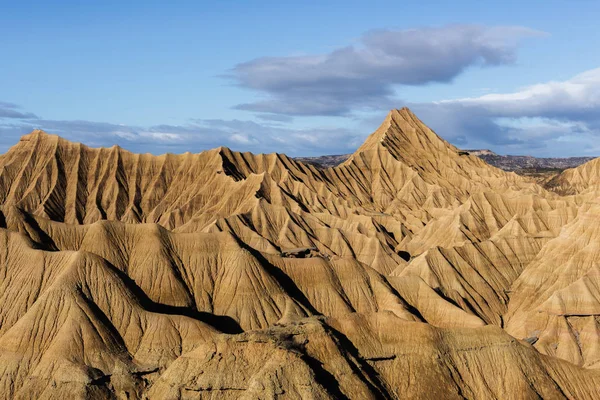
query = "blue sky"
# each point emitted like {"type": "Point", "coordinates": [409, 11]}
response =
{"type": "Point", "coordinates": [303, 78]}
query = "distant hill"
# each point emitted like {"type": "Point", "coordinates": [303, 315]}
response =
{"type": "Point", "coordinates": [519, 164]}
{"type": "Point", "coordinates": [325, 161]}
{"type": "Point", "coordinates": [481, 152]}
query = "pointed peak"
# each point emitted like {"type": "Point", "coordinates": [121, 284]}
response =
{"type": "Point", "coordinates": [403, 135]}
{"type": "Point", "coordinates": [402, 118]}
{"type": "Point", "coordinates": [405, 116]}
{"type": "Point", "coordinates": [401, 112]}
{"type": "Point", "coordinates": [400, 124]}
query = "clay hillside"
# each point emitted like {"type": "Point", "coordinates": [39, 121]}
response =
{"type": "Point", "coordinates": [411, 270]}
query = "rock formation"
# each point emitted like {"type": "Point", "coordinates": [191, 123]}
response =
{"type": "Point", "coordinates": [411, 270]}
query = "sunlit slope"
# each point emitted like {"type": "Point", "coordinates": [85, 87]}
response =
{"type": "Point", "coordinates": [401, 273]}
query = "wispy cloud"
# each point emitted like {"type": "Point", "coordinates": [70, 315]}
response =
{"type": "Point", "coordinates": [364, 75]}
{"type": "Point", "coordinates": [275, 117]}
{"type": "Point", "coordinates": [10, 110]}
{"type": "Point", "coordinates": [195, 136]}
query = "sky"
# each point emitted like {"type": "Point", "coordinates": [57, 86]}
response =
{"type": "Point", "coordinates": [303, 78]}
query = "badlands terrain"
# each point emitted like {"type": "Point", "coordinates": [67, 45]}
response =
{"type": "Point", "coordinates": [410, 270]}
{"type": "Point", "coordinates": [541, 170]}
{"type": "Point", "coordinates": [519, 164]}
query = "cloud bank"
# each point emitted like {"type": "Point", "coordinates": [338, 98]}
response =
{"type": "Point", "coordinates": [195, 136]}
{"type": "Point", "coordinates": [552, 118]}
{"type": "Point", "coordinates": [364, 76]}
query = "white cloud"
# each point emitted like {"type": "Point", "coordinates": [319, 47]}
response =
{"type": "Point", "coordinates": [363, 76]}
{"type": "Point", "coordinates": [162, 136]}
{"type": "Point", "coordinates": [242, 138]}
{"type": "Point", "coordinates": [578, 95]}
{"type": "Point", "coordinates": [554, 118]}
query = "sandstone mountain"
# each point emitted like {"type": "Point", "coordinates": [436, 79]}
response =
{"type": "Point", "coordinates": [411, 270]}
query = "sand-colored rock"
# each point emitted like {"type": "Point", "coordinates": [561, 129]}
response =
{"type": "Point", "coordinates": [577, 180]}
{"type": "Point", "coordinates": [412, 270]}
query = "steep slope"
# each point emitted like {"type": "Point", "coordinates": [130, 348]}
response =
{"type": "Point", "coordinates": [584, 178]}
{"type": "Point", "coordinates": [556, 301]}
{"type": "Point", "coordinates": [234, 275]}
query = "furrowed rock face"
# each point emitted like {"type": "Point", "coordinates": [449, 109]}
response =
{"type": "Point", "coordinates": [411, 270]}
{"type": "Point", "coordinates": [585, 178]}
